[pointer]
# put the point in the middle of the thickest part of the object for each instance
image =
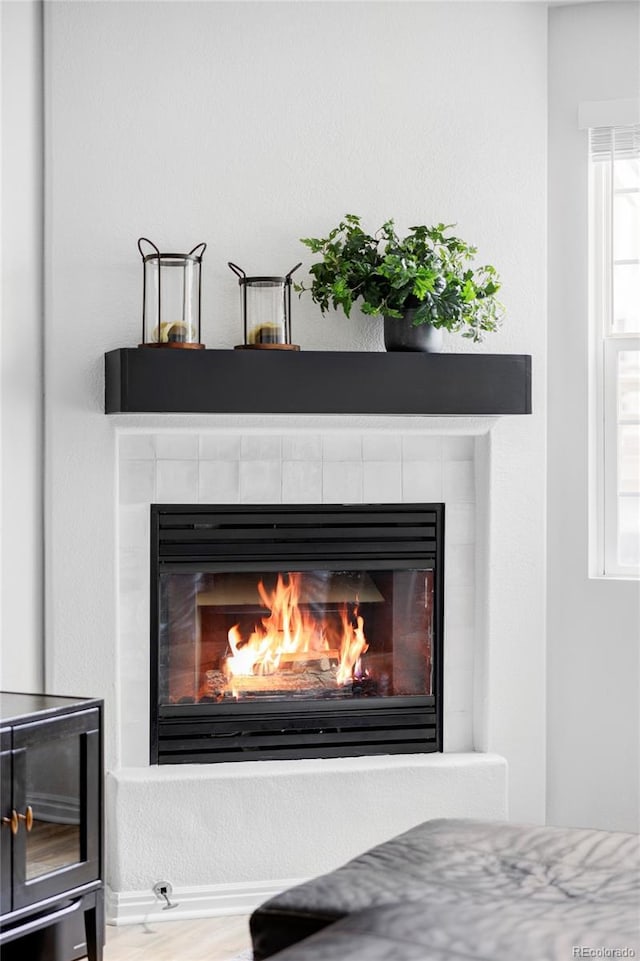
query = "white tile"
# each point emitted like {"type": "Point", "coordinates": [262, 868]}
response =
{"type": "Point", "coordinates": [262, 447]}
{"type": "Point", "coordinates": [219, 482]}
{"type": "Point", "coordinates": [134, 705]}
{"type": "Point", "coordinates": [458, 690]}
{"type": "Point", "coordinates": [460, 524]}
{"type": "Point", "coordinates": [458, 447]}
{"type": "Point", "coordinates": [136, 447]}
{"type": "Point", "coordinates": [458, 731]}
{"type": "Point", "coordinates": [133, 573]}
{"type": "Point", "coordinates": [377, 447]}
{"type": "Point", "coordinates": [342, 482]}
{"type": "Point", "coordinates": [134, 649]}
{"type": "Point", "coordinates": [459, 647]}
{"type": "Point", "coordinates": [133, 526]}
{"type": "Point", "coordinates": [302, 447]}
{"type": "Point", "coordinates": [260, 482]}
{"type": "Point", "coordinates": [176, 446]}
{"type": "Point", "coordinates": [459, 608]}
{"type": "Point", "coordinates": [133, 688]}
{"type": "Point", "coordinates": [219, 447]}
{"type": "Point", "coordinates": [177, 481]}
{"type": "Point", "coordinates": [460, 566]}
{"type": "Point", "coordinates": [135, 743]}
{"type": "Point", "coordinates": [342, 447]}
{"type": "Point", "coordinates": [301, 482]}
{"type": "Point", "coordinates": [422, 481]}
{"type": "Point", "coordinates": [382, 482]}
{"type": "Point", "coordinates": [134, 618]}
{"type": "Point", "coordinates": [459, 482]}
{"type": "Point", "coordinates": [421, 447]}
{"type": "Point", "coordinates": [137, 481]}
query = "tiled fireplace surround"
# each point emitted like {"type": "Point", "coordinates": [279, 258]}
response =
{"type": "Point", "coordinates": [238, 821]}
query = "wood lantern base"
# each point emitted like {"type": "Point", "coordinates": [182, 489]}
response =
{"type": "Point", "coordinates": [267, 347]}
{"type": "Point", "coordinates": [176, 345]}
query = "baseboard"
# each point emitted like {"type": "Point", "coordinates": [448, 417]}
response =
{"type": "Point", "coordinates": [203, 901]}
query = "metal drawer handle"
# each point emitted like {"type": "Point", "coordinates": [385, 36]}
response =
{"type": "Point", "coordinates": [12, 822]}
{"type": "Point", "coordinates": [27, 817]}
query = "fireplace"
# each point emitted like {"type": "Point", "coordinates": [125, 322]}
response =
{"type": "Point", "coordinates": [295, 631]}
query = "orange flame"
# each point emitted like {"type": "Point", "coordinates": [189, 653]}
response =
{"type": "Point", "coordinates": [289, 632]}
{"type": "Point", "coordinates": [354, 644]}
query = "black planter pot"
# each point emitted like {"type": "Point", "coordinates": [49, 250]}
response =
{"type": "Point", "coordinates": [400, 334]}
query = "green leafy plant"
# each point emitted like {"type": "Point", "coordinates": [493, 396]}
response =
{"type": "Point", "coordinates": [428, 270]}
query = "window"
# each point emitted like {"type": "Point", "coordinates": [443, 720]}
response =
{"type": "Point", "coordinates": [614, 193]}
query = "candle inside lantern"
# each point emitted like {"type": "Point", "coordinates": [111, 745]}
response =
{"type": "Point", "coordinates": [267, 334]}
{"type": "Point", "coordinates": [173, 331]}
{"type": "Point", "coordinates": [266, 309]}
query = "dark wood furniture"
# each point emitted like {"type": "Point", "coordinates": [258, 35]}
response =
{"type": "Point", "coordinates": [51, 888]}
{"type": "Point", "coordinates": [139, 381]}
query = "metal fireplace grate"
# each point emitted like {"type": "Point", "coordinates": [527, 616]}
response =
{"type": "Point", "coordinates": [302, 537]}
{"type": "Point", "coordinates": [232, 538]}
{"type": "Point", "coordinates": [336, 735]}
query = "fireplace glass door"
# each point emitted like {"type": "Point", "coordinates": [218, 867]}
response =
{"type": "Point", "coordinates": [295, 635]}
{"type": "Point", "coordinates": [295, 631]}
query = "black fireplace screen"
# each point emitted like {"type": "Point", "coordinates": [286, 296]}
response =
{"type": "Point", "coordinates": [295, 631]}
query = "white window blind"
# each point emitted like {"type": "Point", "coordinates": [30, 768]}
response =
{"type": "Point", "coordinates": [614, 143]}
{"type": "Point", "coordinates": [615, 306]}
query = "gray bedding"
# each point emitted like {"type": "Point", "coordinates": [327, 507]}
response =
{"type": "Point", "coordinates": [451, 890]}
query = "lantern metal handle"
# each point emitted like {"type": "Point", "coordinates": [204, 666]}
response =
{"type": "Point", "coordinates": [292, 271]}
{"type": "Point", "coordinates": [287, 284]}
{"type": "Point", "coordinates": [238, 271]}
{"type": "Point", "coordinates": [145, 240]}
{"type": "Point", "coordinates": [199, 258]}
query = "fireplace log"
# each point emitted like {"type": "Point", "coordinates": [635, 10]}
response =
{"type": "Point", "coordinates": [290, 656]}
{"type": "Point", "coordinates": [283, 683]}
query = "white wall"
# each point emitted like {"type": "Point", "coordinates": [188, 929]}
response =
{"type": "Point", "coordinates": [249, 125]}
{"type": "Point", "coordinates": [594, 624]}
{"type": "Point", "coordinates": [249, 128]}
{"type": "Point", "coordinates": [21, 411]}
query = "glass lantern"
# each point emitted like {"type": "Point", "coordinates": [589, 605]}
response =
{"type": "Point", "coordinates": [266, 311]}
{"type": "Point", "coordinates": [171, 297]}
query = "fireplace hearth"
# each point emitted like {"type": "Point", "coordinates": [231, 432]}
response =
{"type": "Point", "coordinates": [295, 631]}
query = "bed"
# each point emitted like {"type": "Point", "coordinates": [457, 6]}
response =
{"type": "Point", "coordinates": [465, 890]}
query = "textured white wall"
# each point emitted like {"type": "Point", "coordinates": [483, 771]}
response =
{"type": "Point", "coordinates": [21, 430]}
{"type": "Point", "coordinates": [249, 125]}
{"type": "Point", "coordinates": [594, 624]}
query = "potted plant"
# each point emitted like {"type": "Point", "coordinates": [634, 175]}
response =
{"type": "Point", "coordinates": [420, 284]}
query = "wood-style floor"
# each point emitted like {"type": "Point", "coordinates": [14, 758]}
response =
{"type": "Point", "coordinates": [208, 939]}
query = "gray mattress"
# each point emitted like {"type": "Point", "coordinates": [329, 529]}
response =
{"type": "Point", "coordinates": [450, 890]}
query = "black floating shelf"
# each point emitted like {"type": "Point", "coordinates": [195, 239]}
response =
{"type": "Point", "coordinates": [146, 380]}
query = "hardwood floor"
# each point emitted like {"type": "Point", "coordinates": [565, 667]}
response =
{"type": "Point", "coordinates": [51, 846]}
{"type": "Point", "coordinates": [206, 939]}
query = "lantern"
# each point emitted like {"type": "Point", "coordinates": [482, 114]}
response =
{"type": "Point", "coordinates": [171, 297]}
{"type": "Point", "coordinates": [266, 311]}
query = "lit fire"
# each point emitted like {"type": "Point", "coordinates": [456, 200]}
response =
{"type": "Point", "coordinates": [290, 633]}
